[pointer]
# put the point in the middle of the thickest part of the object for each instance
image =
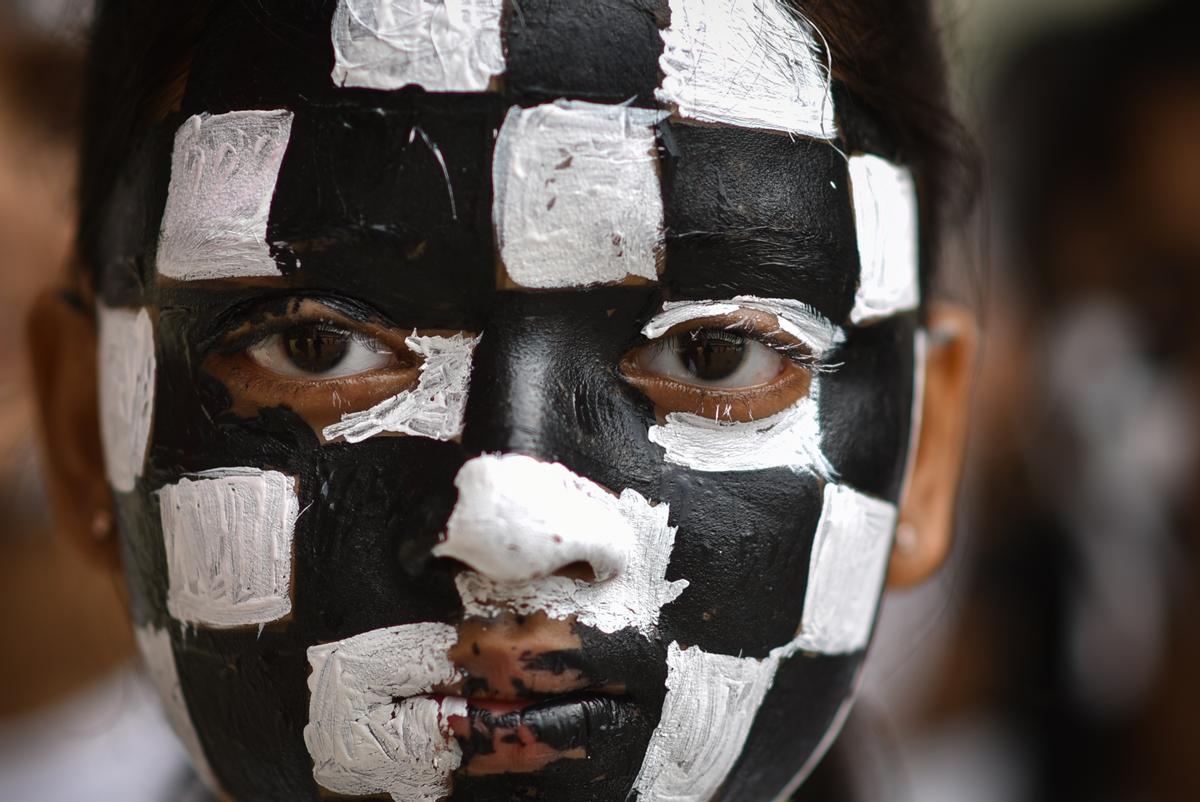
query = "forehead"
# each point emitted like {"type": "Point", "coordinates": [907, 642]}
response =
{"type": "Point", "coordinates": [626, 137]}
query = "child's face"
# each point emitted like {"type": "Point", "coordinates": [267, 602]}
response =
{"type": "Point", "coordinates": [509, 440]}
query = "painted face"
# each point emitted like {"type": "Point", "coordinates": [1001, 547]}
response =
{"type": "Point", "coordinates": [508, 401]}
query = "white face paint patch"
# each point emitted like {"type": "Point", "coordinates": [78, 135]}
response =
{"type": "Point", "coordinates": [885, 211]}
{"type": "Point", "coordinates": [711, 703]}
{"type": "Point", "coordinates": [846, 571]}
{"type": "Point", "coordinates": [228, 535]}
{"type": "Point", "coordinates": [369, 729]}
{"type": "Point", "coordinates": [577, 195]}
{"type": "Point", "coordinates": [787, 439]}
{"type": "Point", "coordinates": [433, 409]}
{"type": "Point", "coordinates": [440, 45]}
{"type": "Point", "coordinates": [223, 173]}
{"type": "Point", "coordinates": [127, 371]}
{"type": "Point", "coordinates": [159, 657]}
{"type": "Point", "coordinates": [746, 63]}
{"type": "Point", "coordinates": [518, 520]}
{"type": "Point", "coordinates": [795, 318]}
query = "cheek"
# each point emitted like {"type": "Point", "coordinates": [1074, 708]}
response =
{"type": "Point", "coordinates": [744, 546]}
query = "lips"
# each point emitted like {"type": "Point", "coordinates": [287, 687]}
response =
{"type": "Point", "coordinates": [530, 696]}
{"type": "Point", "coordinates": [519, 737]}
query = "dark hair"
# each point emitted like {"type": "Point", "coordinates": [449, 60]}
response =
{"type": "Point", "coordinates": [886, 53]}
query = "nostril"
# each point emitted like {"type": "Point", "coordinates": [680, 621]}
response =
{"type": "Point", "coordinates": [518, 519]}
{"type": "Point", "coordinates": [577, 570]}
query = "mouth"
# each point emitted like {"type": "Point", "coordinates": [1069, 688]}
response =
{"type": "Point", "coordinates": [520, 736]}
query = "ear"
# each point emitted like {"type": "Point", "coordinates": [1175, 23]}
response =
{"type": "Point", "coordinates": [927, 511]}
{"type": "Point", "coordinates": [62, 342]}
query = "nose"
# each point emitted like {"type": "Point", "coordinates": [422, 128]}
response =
{"type": "Point", "coordinates": [519, 519]}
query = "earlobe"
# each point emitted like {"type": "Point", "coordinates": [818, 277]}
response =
{"type": "Point", "coordinates": [926, 523]}
{"type": "Point", "coordinates": [62, 343]}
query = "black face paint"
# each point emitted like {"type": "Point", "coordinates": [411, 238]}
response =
{"type": "Point", "coordinates": [382, 210]}
{"type": "Point", "coordinates": [600, 52]}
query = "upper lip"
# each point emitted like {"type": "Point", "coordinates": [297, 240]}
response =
{"type": "Point", "coordinates": [519, 659]}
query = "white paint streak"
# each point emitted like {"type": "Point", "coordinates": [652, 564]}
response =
{"type": "Point", "coordinates": [159, 658]}
{"type": "Point", "coordinates": [369, 730]}
{"type": "Point", "coordinates": [794, 317]}
{"type": "Point", "coordinates": [127, 371]}
{"type": "Point", "coordinates": [577, 194]}
{"type": "Point", "coordinates": [441, 45]}
{"type": "Point", "coordinates": [518, 520]}
{"type": "Point", "coordinates": [747, 63]}
{"type": "Point", "coordinates": [711, 703]}
{"type": "Point", "coordinates": [433, 409]}
{"type": "Point", "coordinates": [846, 571]}
{"type": "Point", "coordinates": [223, 173]}
{"type": "Point", "coordinates": [228, 535]}
{"type": "Point", "coordinates": [885, 211]}
{"type": "Point", "coordinates": [788, 439]}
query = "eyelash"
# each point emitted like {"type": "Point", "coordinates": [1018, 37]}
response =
{"type": "Point", "coordinates": [792, 351]}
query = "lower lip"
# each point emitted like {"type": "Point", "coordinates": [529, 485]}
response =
{"type": "Point", "coordinates": [525, 736]}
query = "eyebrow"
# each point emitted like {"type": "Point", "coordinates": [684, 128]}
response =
{"type": "Point", "coordinates": [795, 317]}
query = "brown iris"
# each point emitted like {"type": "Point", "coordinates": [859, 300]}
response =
{"type": "Point", "coordinates": [737, 367]}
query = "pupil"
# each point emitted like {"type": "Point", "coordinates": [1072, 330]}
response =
{"type": "Point", "coordinates": [314, 349]}
{"type": "Point", "coordinates": [712, 355]}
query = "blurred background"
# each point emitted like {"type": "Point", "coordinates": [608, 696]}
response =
{"type": "Point", "coordinates": [1055, 659]}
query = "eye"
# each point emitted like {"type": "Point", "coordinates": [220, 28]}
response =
{"type": "Point", "coordinates": [320, 350]}
{"type": "Point", "coordinates": [306, 355]}
{"type": "Point", "coordinates": [712, 358]}
{"type": "Point", "coordinates": [737, 367]}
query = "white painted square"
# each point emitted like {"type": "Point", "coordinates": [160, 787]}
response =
{"type": "Point", "coordinates": [746, 63]}
{"type": "Point", "coordinates": [885, 211]}
{"type": "Point", "coordinates": [127, 375]}
{"type": "Point", "coordinates": [223, 173]}
{"type": "Point", "coordinates": [578, 200]}
{"type": "Point", "coordinates": [159, 658]}
{"type": "Point", "coordinates": [228, 535]}
{"type": "Point", "coordinates": [846, 571]}
{"type": "Point", "coordinates": [440, 45]}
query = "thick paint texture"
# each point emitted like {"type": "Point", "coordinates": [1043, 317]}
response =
{"type": "Point", "coordinates": [370, 730]}
{"type": "Point", "coordinates": [885, 211]}
{"type": "Point", "coordinates": [320, 592]}
{"type": "Point", "coordinates": [127, 375]}
{"type": "Point", "coordinates": [577, 196]}
{"type": "Point", "coordinates": [746, 63]}
{"type": "Point", "coordinates": [849, 560]}
{"type": "Point", "coordinates": [223, 174]}
{"type": "Point", "coordinates": [228, 535]}
{"type": "Point", "coordinates": [451, 46]}
{"type": "Point", "coordinates": [434, 408]}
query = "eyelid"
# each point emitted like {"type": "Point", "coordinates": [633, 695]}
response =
{"type": "Point", "coordinates": [258, 326]}
{"type": "Point", "coordinates": [795, 318]}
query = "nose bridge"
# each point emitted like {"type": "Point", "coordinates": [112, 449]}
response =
{"type": "Point", "coordinates": [518, 519]}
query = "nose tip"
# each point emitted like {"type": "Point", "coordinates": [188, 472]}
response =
{"type": "Point", "coordinates": [519, 519]}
